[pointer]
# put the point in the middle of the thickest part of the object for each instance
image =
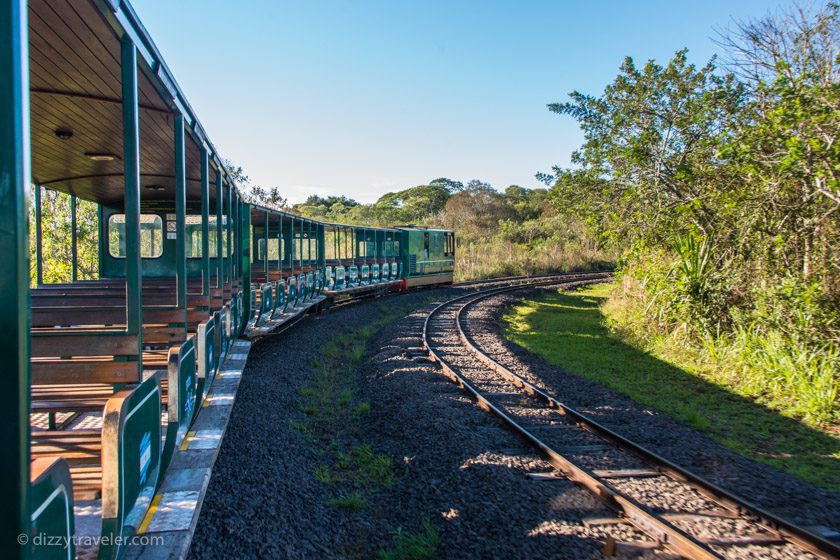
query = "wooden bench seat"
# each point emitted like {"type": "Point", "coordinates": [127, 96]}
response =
{"type": "Point", "coordinates": [83, 452]}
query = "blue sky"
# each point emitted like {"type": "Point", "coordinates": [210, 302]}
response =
{"type": "Point", "coordinates": [365, 97]}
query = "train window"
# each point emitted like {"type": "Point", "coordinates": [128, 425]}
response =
{"type": "Point", "coordinates": [193, 232]}
{"type": "Point", "coordinates": [273, 249]}
{"type": "Point", "coordinates": [151, 236]}
{"type": "Point", "coordinates": [450, 244]}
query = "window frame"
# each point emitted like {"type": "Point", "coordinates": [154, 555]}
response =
{"type": "Point", "coordinates": [162, 236]}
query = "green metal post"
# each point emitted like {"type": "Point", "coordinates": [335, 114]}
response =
{"type": "Point", "coordinates": [281, 254]}
{"type": "Point", "coordinates": [219, 187]}
{"type": "Point", "coordinates": [39, 251]}
{"type": "Point", "coordinates": [14, 277]}
{"type": "Point", "coordinates": [265, 247]}
{"type": "Point", "coordinates": [322, 245]}
{"type": "Point", "coordinates": [103, 240]}
{"type": "Point", "coordinates": [309, 245]}
{"type": "Point", "coordinates": [232, 234]}
{"type": "Point", "coordinates": [131, 162]}
{"type": "Point", "coordinates": [229, 225]}
{"type": "Point", "coordinates": [292, 246]}
{"type": "Point", "coordinates": [245, 245]}
{"type": "Point", "coordinates": [180, 214]}
{"type": "Point", "coordinates": [74, 258]}
{"type": "Point", "coordinates": [205, 221]}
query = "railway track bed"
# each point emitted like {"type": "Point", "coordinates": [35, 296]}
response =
{"type": "Point", "coordinates": [680, 512]}
{"type": "Point", "coordinates": [487, 492]}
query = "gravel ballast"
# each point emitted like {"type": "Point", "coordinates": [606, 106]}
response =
{"type": "Point", "coordinates": [453, 463]}
{"type": "Point", "coordinates": [764, 485]}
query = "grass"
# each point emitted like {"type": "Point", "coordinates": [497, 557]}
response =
{"type": "Point", "coordinates": [478, 259]}
{"type": "Point", "coordinates": [354, 502]}
{"type": "Point", "coordinates": [570, 331]}
{"type": "Point", "coordinates": [334, 415]}
{"type": "Point", "coordinates": [422, 545]}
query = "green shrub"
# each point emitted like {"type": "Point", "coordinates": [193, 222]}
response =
{"type": "Point", "coordinates": [774, 340]}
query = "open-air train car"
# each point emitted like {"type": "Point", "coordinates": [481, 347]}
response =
{"type": "Point", "coordinates": [104, 374]}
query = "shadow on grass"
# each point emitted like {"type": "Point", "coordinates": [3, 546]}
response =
{"type": "Point", "coordinates": [568, 331]}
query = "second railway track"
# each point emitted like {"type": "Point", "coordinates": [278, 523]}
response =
{"type": "Point", "coordinates": [677, 511]}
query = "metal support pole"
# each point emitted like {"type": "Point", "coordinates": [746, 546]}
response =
{"type": "Point", "coordinates": [234, 230]}
{"type": "Point", "coordinates": [131, 161]}
{"type": "Point", "coordinates": [245, 246]}
{"type": "Point", "coordinates": [15, 175]}
{"type": "Point", "coordinates": [292, 246]}
{"type": "Point", "coordinates": [219, 188]}
{"type": "Point", "coordinates": [180, 214]}
{"type": "Point", "coordinates": [205, 222]}
{"type": "Point", "coordinates": [265, 247]}
{"type": "Point", "coordinates": [102, 237]}
{"type": "Point", "coordinates": [39, 249]}
{"type": "Point", "coordinates": [74, 257]}
{"type": "Point", "coordinates": [280, 246]}
{"type": "Point", "coordinates": [229, 229]}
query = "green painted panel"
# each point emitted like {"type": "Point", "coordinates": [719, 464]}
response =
{"type": "Point", "coordinates": [52, 530]}
{"type": "Point", "coordinates": [135, 454]}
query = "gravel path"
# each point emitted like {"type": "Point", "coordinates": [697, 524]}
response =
{"type": "Point", "coordinates": [764, 485]}
{"type": "Point", "coordinates": [454, 464]}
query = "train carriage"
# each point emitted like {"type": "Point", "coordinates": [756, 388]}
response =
{"type": "Point", "coordinates": [104, 375]}
{"type": "Point", "coordinates": [427, 256]}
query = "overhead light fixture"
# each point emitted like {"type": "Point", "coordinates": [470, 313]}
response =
{"type": "Point", "coordinates": [101, 156]}
{"type": "Point", "coordinates": [64, 134]}
{"type": "Point", "coordinates": [155, 187]}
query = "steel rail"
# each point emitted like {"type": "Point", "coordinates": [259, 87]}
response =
{"type": "Point", "coordinates": [636, 513]}
{"type": "Point", "coordinates": [645, 520]}
{"type": "Point", "coordinates": [500, 279]}
{"type": "Point", "coordinates": [786, 530]}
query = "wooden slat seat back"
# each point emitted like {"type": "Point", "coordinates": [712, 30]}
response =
{"type": "Point", "coordinates": [107, 298]}
{"type": "Point", "coordinates": [100, 315]}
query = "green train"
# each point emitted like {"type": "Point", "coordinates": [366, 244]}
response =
{"type": "Point", "coordinates": [105, 378]}
{"type": "Point", "coordinates": [427, 256]}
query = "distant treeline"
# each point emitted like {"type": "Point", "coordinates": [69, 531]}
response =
{"type": "Point", "coordinates": [518, 231]}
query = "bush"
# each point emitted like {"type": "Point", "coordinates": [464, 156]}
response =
{"type": "Point", "coordinates": [774, 340]}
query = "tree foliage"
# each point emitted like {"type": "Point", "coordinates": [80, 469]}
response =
{"type": "Point", "coordinates": [721, 186]}
{"type": "Point", "coordinates": [56, 234]}
{"type": "Point", "coordinates": [746, 160]}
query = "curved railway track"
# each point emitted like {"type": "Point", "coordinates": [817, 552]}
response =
{"type": "Point", "coordinates": [677, 510]}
